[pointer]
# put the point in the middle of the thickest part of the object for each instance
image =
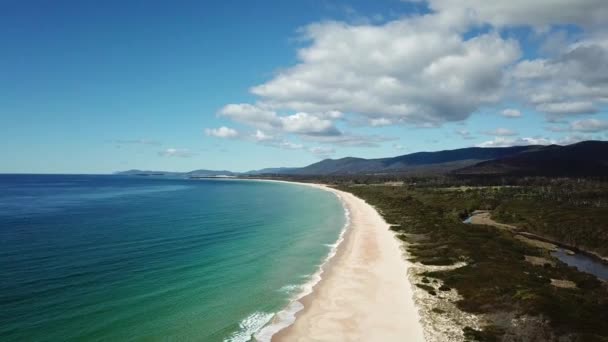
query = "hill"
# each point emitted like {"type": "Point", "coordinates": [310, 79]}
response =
{"type": "Point", "coordinates": [414, 163]}
{"type": "Point", "coordinates": [587, 158]}
{"type": "Point", "coordinates": [195, 173]}
{"type": "Point", "coordinates": [210, 173]}
{"type": "Point", "coordinates": [272, 170]}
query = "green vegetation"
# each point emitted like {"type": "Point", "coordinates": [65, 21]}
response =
{"type": "Point", "coordinates": [573, 213]}
{"type": "Point", "coordinates": [497, 281]}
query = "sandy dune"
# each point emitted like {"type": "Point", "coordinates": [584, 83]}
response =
{"type": "Point", "coordinates": [365, 294]}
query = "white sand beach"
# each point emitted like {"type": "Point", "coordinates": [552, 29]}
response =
{"type": "Point", "coordinates": [365, 294]}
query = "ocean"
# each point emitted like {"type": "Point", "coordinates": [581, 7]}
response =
{"type": "Point", "coordinates": [116, 258]}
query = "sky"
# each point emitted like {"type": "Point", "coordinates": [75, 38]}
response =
{"type": "Point", "coordinates": [101, 86]}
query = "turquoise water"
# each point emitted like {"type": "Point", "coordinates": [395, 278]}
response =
{"type": "Point", "coordinates": [91, 258]}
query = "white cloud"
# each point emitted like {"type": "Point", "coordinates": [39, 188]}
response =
{"type": "Point", "coordinates": [176, 152]}
{"type": "Point", "coordinates": [539, 13]}
{"type": "Point", "coordinates": [589, 125]}
{"type": "Point", "coordinates": [332, 114]}
{"type": "Point", "coordinates": [251, 115]}
{"type": "Point", "coordinates": [511, 113]}
{"type": "Point", "coordinates": [222, 132]}
{"type": "Point", "coordinates": [414, 70]}
{"type": "Point", "coordinates": [298, 123]}
{"type": "Point", "coordinates": [505, 142]}
{"type": "Point", "coordinates": [304, 123]}
{"type": "Point", "coordinates": [380, 122]}
{"type": "Point", "coordinates": [501, 132]}
{"type": "Point", "coordinates": [261, 136]}
{"type": "Point", "coordinates": [307, 126]}
{"type": "Point", "coordinates": [426, 70]}
{"type": "Point", "coordinates": [565, 108]}
{"type": "Point", "coordinates": [573, 82]}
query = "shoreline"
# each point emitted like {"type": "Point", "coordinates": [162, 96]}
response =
{"type": "Point", "coordinates": [364, 292]}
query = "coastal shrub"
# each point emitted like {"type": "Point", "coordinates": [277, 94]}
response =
{"type": "Point", "coordinates": [497, 279]}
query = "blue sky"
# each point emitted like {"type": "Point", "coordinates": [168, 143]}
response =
{"type": "Point", "coordinates": [96, 87]}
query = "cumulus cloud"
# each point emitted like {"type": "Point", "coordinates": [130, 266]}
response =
{"type": "Point", "coordinates": [417, 70]}
{"type": "Point", "coordinates": [314, 128]}
{"type": "Point", "coordinates": [332, 114]}
{"type": "Point", "coordinates": [304, 123]}
{"type": "Point", "coordinates": [176, 152]}
{"type": "Point", "coordinates": [573, 79]}
{"type": "Point", "coordinates": [501, 132]}
{"type": "Point", "coordinates": [511, 113]}
{"type": "Point", "coordinates": [412, 70]}
{"type": "Point", "coordinates": [426, 70]}
{"type": "Point", "coordinates": [565, 108]}
{"type": "Point", "coordinates": [262, 118]}
{"type": "Point", "coordinates": [261, 136]}
{"type": "Point", "coordinates": [380, 122]}
{"type": "Point", "coordinates": [539, 13]}
{"type": "Point", "coordinates": [589, 125]}
{"type": "Point", "coordinates": [573, 82]}
{"type": "Point", "coordinates": [222, 132]}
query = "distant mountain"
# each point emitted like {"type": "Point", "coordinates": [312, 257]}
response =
{"type": "Point", "coordinates": [414, 163]}
{"type": "Point", "coordinates": [136, 172]}
{"type": "Point", "coordinates": [195, 173]}
{"type": "Point", "coordinates": [210, 173]}
{"type": "Point", "coordinates": [272, 170]}
{"type": "Point", "coordinates": [587, 158]}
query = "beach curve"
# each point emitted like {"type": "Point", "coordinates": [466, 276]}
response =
{"type": "Point", "coordinates": [364, 293]}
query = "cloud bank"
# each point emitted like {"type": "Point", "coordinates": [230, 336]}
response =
{"type": "Point", "coordinates": [430, 69]}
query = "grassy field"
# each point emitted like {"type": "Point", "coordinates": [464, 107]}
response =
{"type": "Point", "coordinates": [497, 281]}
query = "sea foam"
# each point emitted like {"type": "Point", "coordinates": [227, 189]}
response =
{"type": "Point", "coordinates": [249, 326]}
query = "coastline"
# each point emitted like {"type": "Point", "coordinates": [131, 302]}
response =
{"type": "Point", "coordinates": [364, 292]}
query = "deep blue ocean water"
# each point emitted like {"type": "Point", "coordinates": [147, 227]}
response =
{"type": "Point", "coordinates": [136, 258]}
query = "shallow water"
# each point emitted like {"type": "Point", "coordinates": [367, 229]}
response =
{"type": "Point", "coordinates": [583, 263]}
{"type": "Point", "coordinates": [128, 258]}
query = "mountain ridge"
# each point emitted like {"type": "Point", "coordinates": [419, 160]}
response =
{"type": "Point", "coordinates": [583, 158]}
{"type": "Point", "coordinates": [586, 158]}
